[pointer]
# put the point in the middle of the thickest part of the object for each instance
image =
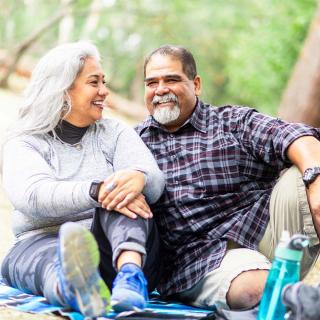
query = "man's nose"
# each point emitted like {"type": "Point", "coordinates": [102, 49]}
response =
{"type": "Point", "coordinates": [162, 88]}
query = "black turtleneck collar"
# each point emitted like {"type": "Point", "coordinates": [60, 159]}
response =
{"type": "Point", "coordinates": [69, 133]}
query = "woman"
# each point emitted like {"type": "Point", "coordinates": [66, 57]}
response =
{"type": "Point", "coordinates": [66, 171]}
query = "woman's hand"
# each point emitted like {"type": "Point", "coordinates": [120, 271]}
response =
{"type": "Point", "coordinates": [137, 207]}
{"type": "Point", "coordinates": [120, 189]}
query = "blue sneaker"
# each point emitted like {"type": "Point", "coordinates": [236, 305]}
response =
{"type": "Point", "coordinates": [81, 286]}
{"type": "Point", "coordinates": [129, 289]}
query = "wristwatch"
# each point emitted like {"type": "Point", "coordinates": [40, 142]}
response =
{"type": "Point", "coordinates": [94, 189]}
{"type": "Point", "coordinates": [310, 175]}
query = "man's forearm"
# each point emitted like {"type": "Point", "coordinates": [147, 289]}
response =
{"type": "Point", "coordinates": [305, 153]}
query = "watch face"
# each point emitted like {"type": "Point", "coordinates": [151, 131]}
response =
{"type": "Point", "coordinates": [308, 174]}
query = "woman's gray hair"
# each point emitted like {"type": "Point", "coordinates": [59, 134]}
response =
{"type": "Point", "coordinates": [46, 97]}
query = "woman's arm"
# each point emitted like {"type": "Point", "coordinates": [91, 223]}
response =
{"type": "Point", "coordinates": [136, 171]}
{"type": "Point", "coordinates": [32, 188]}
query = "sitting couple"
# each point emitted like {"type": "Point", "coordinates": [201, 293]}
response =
{"type": "Point", "coordinates": [85, 189]}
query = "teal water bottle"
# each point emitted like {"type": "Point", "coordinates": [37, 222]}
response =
{"type": "Point", "coordinates": [285, 269]}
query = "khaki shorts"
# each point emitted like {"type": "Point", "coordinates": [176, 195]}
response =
{"type": "Point", "coordinates": [212, 290]}
{"type": "Point", "coordinates": [289, 210]}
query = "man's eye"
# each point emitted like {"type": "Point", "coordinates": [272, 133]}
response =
{"type": "Point", "coordinates": [151, 84]}
{"type": "Point", "coordinates": [94, 82]}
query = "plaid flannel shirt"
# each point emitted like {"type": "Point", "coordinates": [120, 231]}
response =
{"type": "Point", "coordinates": [220, 168]}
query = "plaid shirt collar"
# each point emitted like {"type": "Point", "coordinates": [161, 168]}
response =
{"type": "Point", "coordinates": [198, 120]}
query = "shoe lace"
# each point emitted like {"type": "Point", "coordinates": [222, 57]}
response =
{"type": "Point", "coordinates": [134, 280]}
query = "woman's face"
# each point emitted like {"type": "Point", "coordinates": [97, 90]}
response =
{"type": "Point", "coordinates": [87, 94]}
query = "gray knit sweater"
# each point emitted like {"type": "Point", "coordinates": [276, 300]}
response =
{"type": "Point", "coordinates": [48, 181]}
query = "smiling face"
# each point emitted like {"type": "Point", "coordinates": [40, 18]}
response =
{"type": "Point", "coordinates": [170, 95]}
{"type": "Point", "coordinates": [87, 95]}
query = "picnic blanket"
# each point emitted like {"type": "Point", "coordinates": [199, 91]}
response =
{"type": "Point", "coordinates": [156, 309]}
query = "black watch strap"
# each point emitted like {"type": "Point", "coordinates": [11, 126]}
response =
{"type": "Point", "coordinates": [94, 189]}
{"type": "Point", "coordinates": [310, 175]}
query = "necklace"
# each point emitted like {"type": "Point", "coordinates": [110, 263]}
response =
{"type": "Point", "coordinates": [77, 145]}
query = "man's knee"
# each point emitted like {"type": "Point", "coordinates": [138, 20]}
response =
{"type": "Point", "coordinates": [246, 289]}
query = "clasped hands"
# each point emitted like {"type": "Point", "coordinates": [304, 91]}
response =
{"type": "Point", "coordinates": [122, 192]}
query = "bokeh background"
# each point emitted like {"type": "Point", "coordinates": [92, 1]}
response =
{"type": "Point", "coordinates": [260, 53]}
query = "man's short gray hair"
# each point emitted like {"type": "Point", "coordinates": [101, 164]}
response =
{"type": "Point", "coordinates": [182, 54]}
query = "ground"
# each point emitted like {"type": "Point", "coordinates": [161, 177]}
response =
{"type": "Point", "coordinates": [8, 110]}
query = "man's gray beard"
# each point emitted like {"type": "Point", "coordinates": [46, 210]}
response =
{"type": "Point", "coordinates": [165, 115]}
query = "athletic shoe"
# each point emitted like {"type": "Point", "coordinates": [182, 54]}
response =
{"type": "Point", "coordinates": [129, 289]}
{"type": "Point", "coordinates": [80, 283]}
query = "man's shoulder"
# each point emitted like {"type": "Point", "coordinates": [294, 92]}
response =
{"type": "Point", "coordinates": [140, 127]}
{"type": "Point", "coordinates": [228, 108]}
{"type": "Point", "coordinates": [226, 111]}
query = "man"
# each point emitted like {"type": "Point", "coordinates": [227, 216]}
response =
{"type": "Point", "coordinates": [223, 201]}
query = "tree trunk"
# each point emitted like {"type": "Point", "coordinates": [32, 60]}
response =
{"type": "Point", "coordinates": [135, 92]}
{"type": "Point", "coordinates": [27, 43]}
{"type": "Point", "coordinates": [301, 98]}
{"type": "Point", "coordinates": [92, 20]}
{"type": "Point", "coordinates": [66, 25]}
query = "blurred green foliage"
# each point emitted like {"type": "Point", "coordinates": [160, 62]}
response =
{"type": "Point", "coordinates": [245, 49]}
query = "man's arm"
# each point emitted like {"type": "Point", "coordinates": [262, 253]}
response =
{"type": "Point", "coordinates": [305, 153]}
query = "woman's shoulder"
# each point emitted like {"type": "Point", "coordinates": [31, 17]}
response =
{"type": "Point", "coordinates": [111, 126]}
{"type": "Point", "coordinates": [35, 142]}
{"type": "Point", "coordinates": [26, 139]}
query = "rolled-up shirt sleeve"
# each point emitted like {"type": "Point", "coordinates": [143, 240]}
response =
{"type": "Point", "coordinates": [266, 137]}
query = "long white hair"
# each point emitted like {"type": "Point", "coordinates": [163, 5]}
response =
{"type": "Point", "coordinates": [46, 97]}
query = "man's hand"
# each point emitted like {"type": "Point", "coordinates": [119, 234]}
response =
{"type": "Point", "coordinates": [120, 189]}
{"type": "Point", "coordinates": [313, 193]}
{"type": "Point", "coordinates": [304, 153]}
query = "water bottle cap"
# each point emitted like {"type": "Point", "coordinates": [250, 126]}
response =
{"type": "Point", "coordinates": [291, 248]}
{"type": "Point", "coordinates": [288, 254]}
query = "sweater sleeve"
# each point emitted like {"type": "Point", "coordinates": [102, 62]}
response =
{"type": "Point", "coordinates": [132, 153]}
{"type": "Point", "coordinates": [32, 188]}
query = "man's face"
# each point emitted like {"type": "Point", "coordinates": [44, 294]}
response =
{"type": "Point", "coordinates": [169, 95]}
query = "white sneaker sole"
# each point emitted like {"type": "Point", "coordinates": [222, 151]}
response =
{"type": "Point", "coordinates": [79, 261]}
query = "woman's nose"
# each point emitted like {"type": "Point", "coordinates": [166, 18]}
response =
{"type": "Point", "coordinates": [103, 90]}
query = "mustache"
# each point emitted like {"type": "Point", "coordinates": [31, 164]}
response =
{"type": "Point", "coordinates": [170, 97]}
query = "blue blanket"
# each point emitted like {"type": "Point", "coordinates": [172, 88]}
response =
{"type": "Point", "coordinates": [21, 301]}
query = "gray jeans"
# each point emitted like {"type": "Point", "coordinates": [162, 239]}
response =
{"type": "Point", "coordinates": [30, 265]}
